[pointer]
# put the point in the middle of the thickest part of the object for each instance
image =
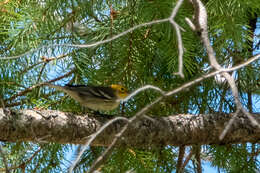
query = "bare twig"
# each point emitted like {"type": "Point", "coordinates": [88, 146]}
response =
{"type": "Point", "coordinates": [40, 74]}
{"type": "Point", "coordinates": [98, 162]}
{"type": "Point", "coordinates": [189, 22]}
{"type": "Point", "coordinates": [187, 159]}
{"type": "Point", "coordinates": [44, 60]}
{"type": "Point", "coordinates": [196, 150]}
{"type": "Point", "coordinates": [201, 26]}
{"type": "Point", "coordinates": [180, 49]}
{"type": "Point", "coordinates": [38, 85]}
{"type": "Point", "coordinates": [175, 10]}
{"type": "Point", "coordinates": [178, 33]}
{"type": "Point", "coordinates": [180, 159]}
{"type": "Point", "coordinates": [92, 137]}
{"type": "Point", "coordinates": [224, 132]}
{"type": "Point", "coordinates": [142, 89]}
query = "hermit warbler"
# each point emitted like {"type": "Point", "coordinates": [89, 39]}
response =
{"type": "Point", "coordinates": [95, 97]}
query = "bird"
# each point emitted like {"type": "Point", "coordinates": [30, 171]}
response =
{"type": "Point", "coordinates": [98, 98]}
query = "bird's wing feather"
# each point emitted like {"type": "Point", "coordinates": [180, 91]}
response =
{"type": "Point", "coordinates": [90, 91]}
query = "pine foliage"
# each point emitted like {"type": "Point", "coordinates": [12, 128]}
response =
{"type": "Point", "coordinates": [45, 31]}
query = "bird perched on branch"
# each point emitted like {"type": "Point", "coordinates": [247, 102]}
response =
{"type": "Point", "coordinates": [95, 97]}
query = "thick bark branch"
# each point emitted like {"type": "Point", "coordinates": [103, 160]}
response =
{"type": "Point", "coordinates": [176, 130]}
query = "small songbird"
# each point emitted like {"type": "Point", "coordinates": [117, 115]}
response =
{"type": "Point", "coordinates": [95, 97]}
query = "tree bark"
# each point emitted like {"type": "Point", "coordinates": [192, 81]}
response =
{"type": "Point", "coordinates": [176, 130]}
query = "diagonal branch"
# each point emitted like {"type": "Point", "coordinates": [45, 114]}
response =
{"type": "Point", "coordinates": [45, 60]}
{"type": "Point", "coordinates": [89, 141]}
{"type": "Point", "coordinates": [187, 159]}
{"type": "Point", "coordinates": [196, 149]}
{"type": "Point", "coordinates": [38, 85]}
{"type": "Point", "coordinates": [180, 159]}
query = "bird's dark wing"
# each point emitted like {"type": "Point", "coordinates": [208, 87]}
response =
{"type": "Point", "coordinates": [93, 91]}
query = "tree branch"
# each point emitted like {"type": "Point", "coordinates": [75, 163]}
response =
{"type": "Point", "coordinates": [180, 159]}
{"type": "Point", "coordinates": [187, 159]}
{"type": "Point", "coordinates": [196, 149]}
{"type": "Point", "coordinates": [60, 127]}
{"type": "Point", "coordinates": [38, 85]}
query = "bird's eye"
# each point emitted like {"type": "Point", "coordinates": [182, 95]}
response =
{"type": "Point", "coordinates": [122, 89]}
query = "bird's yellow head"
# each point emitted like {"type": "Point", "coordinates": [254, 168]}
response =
{"type": "Point", "coordinates": [120, 91]}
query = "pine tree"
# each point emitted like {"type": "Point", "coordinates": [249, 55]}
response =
{"type": "Point", "coordinates": [44, 39]}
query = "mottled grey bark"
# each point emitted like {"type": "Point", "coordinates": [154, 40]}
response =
{"type": "Point", "coordinates": [60, 127]}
